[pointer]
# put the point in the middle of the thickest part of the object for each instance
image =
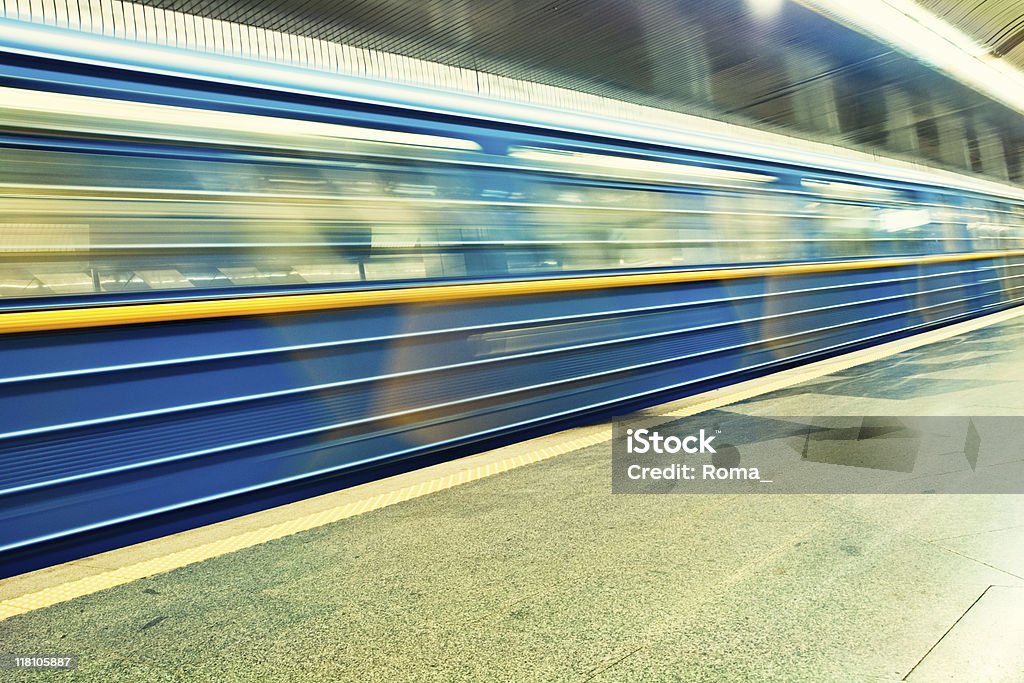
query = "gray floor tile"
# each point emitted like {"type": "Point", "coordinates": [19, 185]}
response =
{"type": "Point", "coordinates": [987, 644]}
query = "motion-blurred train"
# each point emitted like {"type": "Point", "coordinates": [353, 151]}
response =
{"type": "Point", "coordinates": [216, 296]}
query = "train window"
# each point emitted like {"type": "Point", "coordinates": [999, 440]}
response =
{"type": "Point", "coordinates": [79, 222]}
{"type": "Point", "coordinates": [845, 190]}
{"type": "Point", "coordinates": [752, 227]}
{"type": "Point", "coordinates": [632, 168]}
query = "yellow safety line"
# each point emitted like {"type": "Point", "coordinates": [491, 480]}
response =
{"type": "Point", "coordinates": [714, 399]}
{"type": "Point", "coordinates": [135, 314]}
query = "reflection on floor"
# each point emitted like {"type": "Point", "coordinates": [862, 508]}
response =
{"type": "Point", "coordinates": [542, 574]}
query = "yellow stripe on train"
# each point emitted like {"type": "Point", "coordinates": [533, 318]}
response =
{"type": "Point", "coordinates": [136, 314]}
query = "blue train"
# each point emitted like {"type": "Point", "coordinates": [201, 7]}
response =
{"type": "Point", "coordinates": [215, 296]}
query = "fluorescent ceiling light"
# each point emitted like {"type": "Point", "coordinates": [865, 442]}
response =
{"type": "Point", "coordinates": [765, 9]}
{"type": "Point", "coordinates": [906, 26]}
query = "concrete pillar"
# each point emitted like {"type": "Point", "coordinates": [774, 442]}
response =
{"type": "Point", "coordinates": [813, 96]}
{"type": "Point", "coordinates": [679, 66]}
{"type": "Point", "coordinates": [952, 138]}
{"type": "Point", "coordinates": [1014, 162]}
{"type": "Point", "coordinates": [454, 17]}
{"type": "Point", "coordinates": [991, 150]}
{"type": "Point", "coordinates": [900, 123]}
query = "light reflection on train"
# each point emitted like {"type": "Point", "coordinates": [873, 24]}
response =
{"type": "Point", "coordinates": [135, 204]}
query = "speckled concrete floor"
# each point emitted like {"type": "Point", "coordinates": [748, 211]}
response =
{"type": "Point", "coordinates": [541, 574]}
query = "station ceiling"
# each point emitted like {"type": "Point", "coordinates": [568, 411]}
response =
{"type": "Point", "coordinates": [719, 58]}
{"type": "Point", "coordinates": [997, 25]}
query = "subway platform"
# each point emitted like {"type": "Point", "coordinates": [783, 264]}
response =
{"type": "Point", "coordinates": [521, 564]}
